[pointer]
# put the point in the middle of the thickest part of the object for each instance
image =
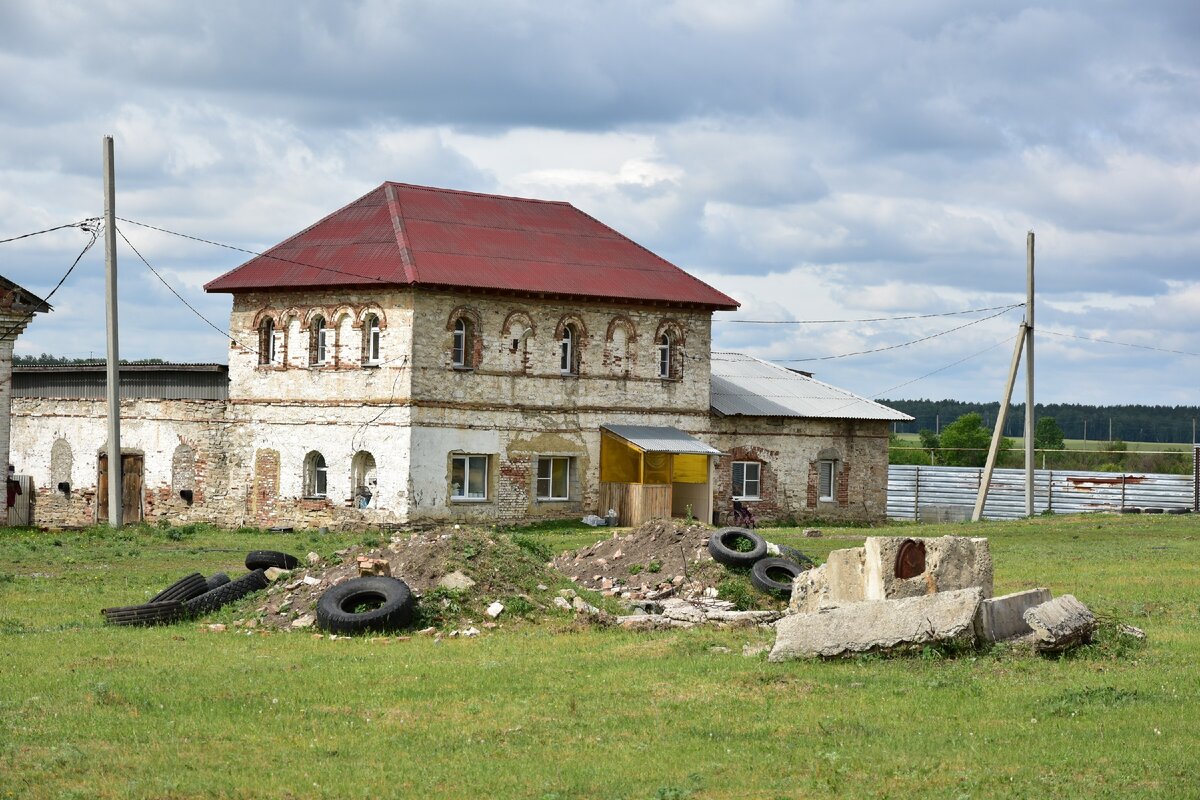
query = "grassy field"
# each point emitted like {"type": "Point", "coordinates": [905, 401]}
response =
{"type": "Point", "coordinates": [553, 710]}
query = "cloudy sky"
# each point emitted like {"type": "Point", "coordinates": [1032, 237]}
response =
{"type": "Point", "coordinates": [816, 161]}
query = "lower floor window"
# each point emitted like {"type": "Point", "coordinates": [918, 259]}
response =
{"type": "Point", "coordinates": [315, 475]}
{"type": "Point", "coordinates": [746, 480]}
{"type": "Point", "coordinates": [469, 478]}
{"type": "Point", "coordinates": [825, 480]}
{"type": "Point", "coordinates": [554, 478]}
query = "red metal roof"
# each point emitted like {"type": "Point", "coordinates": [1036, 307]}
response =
{"type": "Point", "coordinates": [404, 235]}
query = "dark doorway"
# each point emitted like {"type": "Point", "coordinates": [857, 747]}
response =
{"type": "Point", "coordinates": [132, 467]}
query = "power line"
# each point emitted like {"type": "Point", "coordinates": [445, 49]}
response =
{"type": "Point", "coordinates": [943, 369]}
{"type": "Point", "coordinates": [902, 344]}
{"type": "Point", "coordinates": [871, 319]}
{"type": "Point", "coordinates": [83, 225]}
{"type": "Point", "coordinates": [193, 309]}
{"type": "Point", "coordinates": [1122, 344]}
{"type": "Point", "coordinates": [372, 278]}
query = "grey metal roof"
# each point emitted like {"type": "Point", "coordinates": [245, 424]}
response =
{"type": "Point", "coordinates": [748, 386]}
{"type": "Point", "coordinates": [661, 439]}
{"type": "Point", "coordinates": [138, 381]}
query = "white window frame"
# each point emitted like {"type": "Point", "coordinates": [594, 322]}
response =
{"type": "Point", "coordinates": [757, 481]}
{"type": "Point", "coordinates": [316, 476]}
{"type": "Point", "coordinates": [566, 361]}
{"type": "Point", "coordinates": [547, 494]}
{"type": "Point", "coordinates": [373, 340]}
{"type": "Point", "coordinates": [827, 474]}
{"type": "Point", "coordinates": [664, 356]}
{"type": "Point", "coordinates": [319, 340]}
{"type": "Point", "coordinates": [266, 342]}
{"type": "Point", "coordinates": [458, 347]}
{"type": "Point", "coordinates": [462, 493]}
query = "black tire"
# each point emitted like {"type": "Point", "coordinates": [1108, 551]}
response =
{"type": "Point", "coordinates": [766, 572]}
{"type": "Point", "coordinates": [1179, 511]}
{"type": "Point", "coordinates": [1152, 510]}
{"type": "Point", "coordinates": [185, 588]}
{"type": "Point", "coordinates": [335, 609]}
{"type": "Point", "coordinates": [792, 554]}
{"type": "Point", "coordinates": [215, 580]}
{"type": "Point", "coordinates": [265, 559]}
{"type": "Point", "coordinates": [145, 614]}
{"type": "Point", "coordinates": [223, 595]}
{"type": "Point", "coordinates": [721, 545]}
{"type": "Point", "coordinates": [1130, 510]}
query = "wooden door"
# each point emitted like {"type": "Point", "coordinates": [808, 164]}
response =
{"type": "Point", "coordinates": [132, 468]}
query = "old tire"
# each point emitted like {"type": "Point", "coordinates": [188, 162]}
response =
{"type": "Point", "coordinates": [1130, 510]}
{"type": "Point", "coordinates": [215, 580]}
{"type": "Point", "coordinates": [722, 545]}
{"type": "Point", "coordinates": [1179, 511]}
{"type": "Point", "coordinates": [792, 554]}
{"type": "Point", "coordinates": [1152, 510]}
{"type": "Point", "coordinates": [775, 575]}
{"type": "Point", "coordinates": [223, 595]}
{"type": "Point", "coordinates": [265, 559]}
{"type": "Point", "coordinates": [162, 613]}
{"type": "Point", "coordinates": [389, 601]}
{"type": "Point", "coordinates": [185, 588]}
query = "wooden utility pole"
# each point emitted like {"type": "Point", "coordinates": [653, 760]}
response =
{"type": "Point", "coordinates": [985, 482]}
{"type": "Point", "coordinates": [1029, 465]}
{"type": "Point", "coordinates": [116, 510]}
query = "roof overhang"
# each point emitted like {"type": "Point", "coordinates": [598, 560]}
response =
{"type": "Point", "coordinates": [661, 439]}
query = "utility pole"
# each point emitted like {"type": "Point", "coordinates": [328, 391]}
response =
{"type": "Point", "coordinates": [1029, 465]}
{"type": "Point", "coordinates": [1085, 429]}
{"type": "Point", "coordinates": [116, 511]}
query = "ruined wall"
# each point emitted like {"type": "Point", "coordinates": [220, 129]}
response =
{"type": "Point", "coordinates": [788, 451]}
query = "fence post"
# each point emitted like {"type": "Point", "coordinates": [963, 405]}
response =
{"type": "Point", "coordinates": [1196, 479]}
{"type": "Point", "coordinates": [917, 492]}
{"type": "Point", "coordinates": [1050, 491]}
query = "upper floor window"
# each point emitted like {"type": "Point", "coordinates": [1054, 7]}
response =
{"type": "Point", "coordinates": [664, 356]}
{"type": "Point", "coordinates": [316, 475]}
{"type": "Point", "coordinates": [568, 362]}
{"type": "Point", "coordinates": [371, 340]}
{"type": "Point", "coordinates": [318, 343]}
{"type": "Point", "coordinates": [746, 480]}
{"type": "Point", "coordinates": [460, 352]}
{"type": "Point", "coordinates": [268, 351]}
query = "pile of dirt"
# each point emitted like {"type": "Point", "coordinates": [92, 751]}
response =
{"type": "Point", "coordinates": [455, 572]}
{"type": "Point", "coordinates": [660, 557]}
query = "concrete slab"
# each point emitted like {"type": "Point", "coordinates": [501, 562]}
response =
{"type": "Point", "coordinates": [950, 562]}
{"type": "Point", "coordinates": [1061, 624]}
{"type": "Point", "coordinates": [1001, 618]}
{"type": "Point", "coordinates": [878, 625]}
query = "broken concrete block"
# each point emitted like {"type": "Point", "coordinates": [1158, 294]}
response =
{"type": "Point", "coordinates": [1060, 624]}
{"type": "Point", "coordinates": [456, 580]}
{"type": "Point", "coordinates": [1001, 618]}
{"type": "Point", "coordinates": [839, 580]}
{"type": "Point", "coordinates": [273, 573]}
{"type": "Point", "coordinates": [563, 603]}
{"type": "Point", "coordinates": [368, 566]}
{"type": "Point", "coordinates": [305, 621]}
{"type": "Point", "coordinates": [898, 566]}
{"type": "Point", "coordinates": [494, 609]}
{"type": "Point", "coordinates": [878, 625]}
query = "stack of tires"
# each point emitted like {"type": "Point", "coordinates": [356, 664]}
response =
{"type": "Point", "coordinates": [742, 547]}
{"type": "Point", "coordinates": [194, 595]}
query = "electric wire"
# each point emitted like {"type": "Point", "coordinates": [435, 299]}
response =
{"type": "Point", "coordinates": [944, 368]}
{"type": "Point", "coordinates": [83, 223]}
{"type": "Point", "coordinates": [372, 278]}
{"type": "Point", "coordinates": [871, 319]}
{"type": "Point", "coordinates": [1122, 344]}
{"type": "Point", "coordinates": [85, 226]}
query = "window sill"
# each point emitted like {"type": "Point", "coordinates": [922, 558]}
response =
{"type": "Point", "coordinates": [470, 500]}
{"type": "Point", "coordinates": [554, 499]}
{"type": "Point", "coordinates": [372, 365]}
{"type": "Point", "coordinates": [754, 499]}
{"type": "Point", "coordinates": [460, 368]}
{"type": "Point", "coordinates": [315, 497]}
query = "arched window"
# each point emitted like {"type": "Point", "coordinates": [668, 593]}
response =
{"type": "Point", "coordinates": [363, 480]}
{"type": "Point", "coordinates": [460, 354]}
{"type": "Point", "coordinates": [318, 342]}
{"type": "Point", "coordinates": [315, 475]}
{"type": "Point", "coordinates": [664, 356]}
{"type": "Point", "coordinates": [267, 351]}
{"type": "Point", "coordinates": [371, 340]}
{"type": "Point", "coordinates": [569, 351]}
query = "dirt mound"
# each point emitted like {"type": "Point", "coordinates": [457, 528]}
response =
{"type": "Point", "coordinates": [455, 573]}
{"type": "Point", "coordinates": [655, 558]}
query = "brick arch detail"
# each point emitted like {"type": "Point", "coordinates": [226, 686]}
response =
{"type": "Point", "coordinates": [621, 321]}
{"type": "Point", "coordinates": [518, 315]}
{"type": "Point", "coordinates": [575, 320]}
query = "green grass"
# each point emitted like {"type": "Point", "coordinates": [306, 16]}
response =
{"type": "Point", "coordinates": [552, 710]}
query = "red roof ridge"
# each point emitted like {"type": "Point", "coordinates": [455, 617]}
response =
{"type": "Point", "coordinates": [397, 209]}
{"type": "Point", "coordinates": [476, 194]}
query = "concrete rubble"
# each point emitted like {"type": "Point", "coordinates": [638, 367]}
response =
{"type": "Point", "coordinates": [677, 613]}
{"type": "Point", "coordinates": [1060, 624]}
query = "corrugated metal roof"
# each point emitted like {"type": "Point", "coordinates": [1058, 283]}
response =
{"type": "Point", "coordinates": [400, 234]}
{"type": "Point", "coordinates": [748, 386]}
{"type": "Point", "coordinates": [138, 381]}
{"type": "Point", "coordinates": [661, 439]}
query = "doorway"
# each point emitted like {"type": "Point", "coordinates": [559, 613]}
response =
{"type": "Point", "coordinates": [132, 468]}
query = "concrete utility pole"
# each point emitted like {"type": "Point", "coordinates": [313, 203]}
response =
{"type": "Point", "coordinates": [116, 510]}
{"type": "Point", "coordinates": [1029, 465]}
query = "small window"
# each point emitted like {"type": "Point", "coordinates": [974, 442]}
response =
{"type": "Point", "coordinates": [664, 356]}
{"type": "Point", "coordinates": [371, 340]}
{"type": "Point", "coordinates": [469, 478]}
{"type": "Point", "coordinates": [460, 354]}
{"type": "Point", "coordinates": [315, 475]}
{"type": "Point", "coordinates": [267, 341]}
{"type": "Point", "coordinates": [554, 478]}
{"type": "Point", "coordinates": [746, 475]}
{"type": "Point", "coordinates": [568, 362]}
{"type": "Point", "coordinates": [318, 346]}
{"type": "Point", "coordinates": [363, 481]}
{"type": "Point", "coordinates": [825, 480]}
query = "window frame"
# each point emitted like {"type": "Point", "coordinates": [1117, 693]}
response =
{"type": "Point", "coordinates": [550, 497]}
{"type": "Point", "coordinates": [267, 343]}
{"type": "Point", "coordinates": [460, 342]}
{"type": "Point", "coordinates": [316, 476]}
{"type": "Point", "coordinates": [464, 495]}
{"type": "Point", "coordinates": [568, 363]}
{"type": "Point", "coordinates": [664, 355]}
{"type": "Point", "coordinates": [757, 480]}
{"type": "Point", "coordinates": [372, 351]}
{"type": "Point", "coordinates": [830, 465]}
{"type": "Point", "coordinates": [318, 343]}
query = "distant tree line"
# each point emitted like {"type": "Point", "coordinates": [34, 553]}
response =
{"type": "Point", "coordinates": [1130, 423]}
{"type": "Point", "coordinates": [46, 359]}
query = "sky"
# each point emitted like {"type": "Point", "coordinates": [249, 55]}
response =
{"type": "Point", "coordinates": [814, 160]}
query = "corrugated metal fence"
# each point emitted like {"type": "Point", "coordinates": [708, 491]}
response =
{"type": "Point", "coordinates": [943, 494]}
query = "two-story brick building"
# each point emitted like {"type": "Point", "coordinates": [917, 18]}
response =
{"type": "Point", "coordinates": [425, 354]}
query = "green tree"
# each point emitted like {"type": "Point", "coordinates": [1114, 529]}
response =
{"type": "Point", "coordinates": [929, 439]}
{"type": "Point", "coordinates": [965, 442]}
{"type": "Point", "coordinates": [1048, 435]}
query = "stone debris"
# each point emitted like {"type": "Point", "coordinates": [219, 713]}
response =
{"type": "Point", "coordinates": [878, 625]}
{"type": "Point", "coordinates": [313, 559]}
{"type": "Point", "coordinates": [306, 621]}
{"type": "Point", "coordinates": [216, 627]}
{"type": "Point", "coordinates": [309, 580]}
{"type": "Point", "coordinates": [1060, 624]}
{"type": "Point", "coordinates": [755, 649]}
{"type": "Point", "coordinates": [470, 632]}
{"type": "Point", "coordinates": [456, 581]}
{"type": "Point", "coordinates": [369, 566]}
{"type": "Point", "coordinates": [562, 603]}
{"type": "Point", "coordinates": [583, 606]}
{"type": "Point", "coordinates": [430, 631]}
{"type": "Point", "coordinates": [495, 609]}
{"type": "Point", "coordinates": [275, 573]}
{"type": "Point", "coordinates": [1002, 618]}
{"type": "Point", "coordinates": [1131, 631]}
{"type": "Point", "coordinates": [813, 533]}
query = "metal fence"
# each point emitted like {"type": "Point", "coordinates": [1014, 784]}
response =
{"type": "Point", "coordinates": [944, 494]}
